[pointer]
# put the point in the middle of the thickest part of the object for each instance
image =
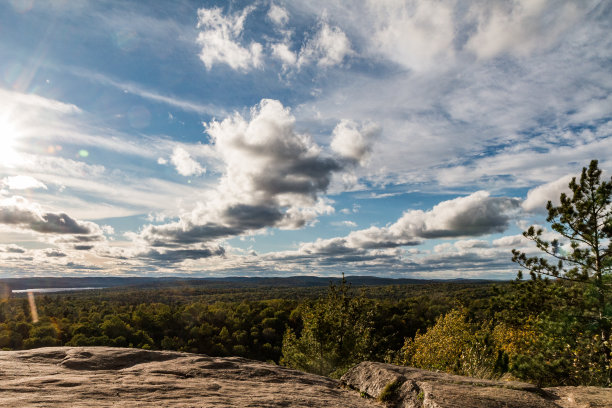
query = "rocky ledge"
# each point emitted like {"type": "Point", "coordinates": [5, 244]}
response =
{"type": "Point", "coordinates": [104, 376]}
{"type": "Point", "coordinates": [408, 387]}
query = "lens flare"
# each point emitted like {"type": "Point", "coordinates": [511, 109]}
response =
{"type": "Point", "coordinates": [33, 310]}
{"type": "Point", "coordinates": [5, 292]}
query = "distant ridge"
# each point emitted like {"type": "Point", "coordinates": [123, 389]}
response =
{"type": "Point", "coordinates": [232, 281]}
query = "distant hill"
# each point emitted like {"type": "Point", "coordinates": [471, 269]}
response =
{"type": "Point", "coordinates": [227, 282]}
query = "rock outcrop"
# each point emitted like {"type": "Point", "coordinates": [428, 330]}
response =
{"type": "Point", "coordinates": [408, 387]}
{"type": "Point", "coordinates": [105, 377]}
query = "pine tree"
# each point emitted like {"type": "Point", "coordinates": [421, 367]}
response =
{"type": "Point", "coordinates": [336, 334]}
{"type": "Point", "coordinates": [583, 254]}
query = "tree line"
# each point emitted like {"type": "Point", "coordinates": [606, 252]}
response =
{"type": "Point", "coordinates": [255, 326]}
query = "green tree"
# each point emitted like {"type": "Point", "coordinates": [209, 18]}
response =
{"type": "Point", "coordinates": [336, 334]}
{"type": "Point", "coordinates": [583, 251]}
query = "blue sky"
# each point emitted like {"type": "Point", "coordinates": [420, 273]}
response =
{"type": "Point", "coordinates": [390, 138]}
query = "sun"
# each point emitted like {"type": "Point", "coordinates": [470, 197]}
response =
{"type": "Point", "coordinates": [8, 141]}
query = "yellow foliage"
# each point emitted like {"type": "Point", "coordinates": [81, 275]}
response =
{"type": "Point", "coordinates": [515, 340]}
{"type": "Point", "coordinates": [443, 346]}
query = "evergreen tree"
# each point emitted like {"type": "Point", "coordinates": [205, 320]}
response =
{"type": "Point", "coordinates": [583, 254]}
{"type": "Point", "coordinates": [336, 334]}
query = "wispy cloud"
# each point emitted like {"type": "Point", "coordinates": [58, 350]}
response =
{"type": "Point", "coordinates": [144, 92]}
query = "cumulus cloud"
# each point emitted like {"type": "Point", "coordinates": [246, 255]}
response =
{"type": "Point", "coordinates": [54, 253]}
{"type": "Point", "coordinates": [267, 161]}
{"type": "Point", "coordinates": [283, 52]}
{"type": "Point", "coordinates": [468, 244]}
{"type": "Point", "coordinates": [22, 215]}
{"type": "Point", "coordinates": [19, 212]}
{"type": "Point", "coordinates": [178, 255]}
{"type": "Point", "coordinates": [352, 141]}
{"type": "Point", "coordinates": [220, 40]}
{"type": "Point", "coordinates": [473, 215]}
{"type": "Point", "coordinates": [328, 47]}
{"type": "Point", "coordinates": [22, 183]}
{"type": "Point", "coordinates": [278, 15]}
{"type": "Point", "coordinates": [184, 163]}
{"type": "Point", "coordinates": [538, 197]}
{"type": "Point", "coordinates": [272, 176]}
{"type": "Point", "coordinates": [510, 241]}
{"type": "Point", "coordinates": [12, 249]}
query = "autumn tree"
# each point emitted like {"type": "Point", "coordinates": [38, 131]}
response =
{"type": "Point", "coordinates": [582, 250]}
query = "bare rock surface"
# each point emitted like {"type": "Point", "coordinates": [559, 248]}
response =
{"type": "Point", "coordinates": [115, 377]}
{"type": "Point", "coordinates": [408, 387]}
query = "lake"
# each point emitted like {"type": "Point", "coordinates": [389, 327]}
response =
{"type": "Point", "coordinates": [50, 290]}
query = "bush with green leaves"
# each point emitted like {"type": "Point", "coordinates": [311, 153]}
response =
{"type": "Point", "coordinates": [337, 333]}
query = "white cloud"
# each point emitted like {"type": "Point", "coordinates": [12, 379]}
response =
{"type": "Point", "coordinates": [346, 223]}
{"type": "Point", "coordinates": [278, 14]}
{"type": "Point", "coordinates": [146, 93]}
{"type": "Point", "coordinates": [510, 241]}
{"type": "Point", "coordinates": [12, 249]}
{"type": "Point", "coordinates": [484, 122]}
{"type": "Point", "coordinates": [219, 38]}
{"type": "Point", "coordinates": [352, 141]}
{"type": "Point", "coordinates": [473, 215]}
{"type": "Point", "coordinates": [416, 34]}
{"type": "Point", "coordinates": [266, 159]}
{"type": "Point", "coordinates": [284, 53]}
{"type": "Point", "coordinates": [272, 177]}
{"type": "Point", "coordinates": [184, 164]}
{"type": "Point", "coordinates": [115, 193]}
{"type": "Point", "coordinates": [24, 101]}
{"type": "Point", "coordinates": [469, 244]}
{"type": "Point", "coordinates": [538, 197]}
{"type": "Point", "coordinates": [329, 47]}
{"type": "Point", "coordinates": [20, 213]}
{"type": "Point", "coordinates": [22, 183]}
{"type": "Point", "coordinates": [521, 26]}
